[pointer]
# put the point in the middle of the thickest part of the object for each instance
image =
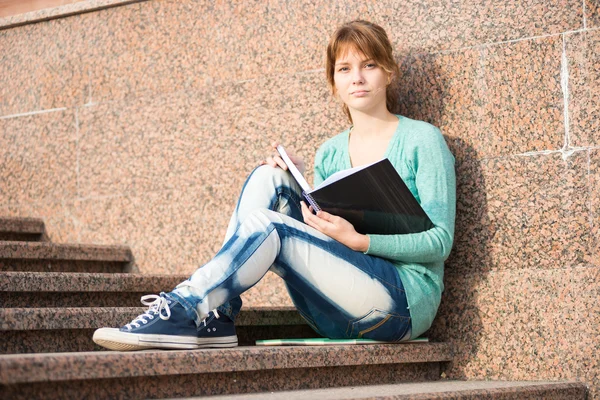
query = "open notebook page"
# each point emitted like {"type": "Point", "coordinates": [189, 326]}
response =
{"type": "Point", "coordinates": [333, 178]}
{"type": "Point", "coordinates": [342, 174]}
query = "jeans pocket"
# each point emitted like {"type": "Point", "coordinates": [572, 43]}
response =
{"type": "Point", "coordinates": [379, 325]}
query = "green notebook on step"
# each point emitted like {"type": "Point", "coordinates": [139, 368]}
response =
{"type": "Point", "coordinates": [329, 342]}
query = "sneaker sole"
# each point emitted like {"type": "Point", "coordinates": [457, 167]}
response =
{"type": "Point", "coordinates": [114, 339]}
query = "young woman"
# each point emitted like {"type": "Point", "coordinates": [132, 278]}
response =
{"type": "Point", "coordinates": [345, 284]}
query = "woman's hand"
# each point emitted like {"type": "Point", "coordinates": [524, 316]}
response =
{"type": "Point", "coordinates": [336, 228]}
{"type": "Point", "coordinates": [275, 160]}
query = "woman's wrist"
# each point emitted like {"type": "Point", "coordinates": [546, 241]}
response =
{"type": "Point", "coordinates": [361, 243]}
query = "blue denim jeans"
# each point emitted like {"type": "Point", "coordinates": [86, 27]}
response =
{"type": "Point", "coordinates": [341, 293]}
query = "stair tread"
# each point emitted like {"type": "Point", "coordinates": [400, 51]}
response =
{"type": "Point", "coordinates": [21, 368]}
{"type": "Point", "coordinates": [22, 225]}
{"type": "Point", "coordinates": [416, 390]}
{"type": "Point", "coordinates": [64, 251]}
{"type": "Point", "coordinates": [16, 281]}
{"type": "Point", "coordinates": [20, 319]}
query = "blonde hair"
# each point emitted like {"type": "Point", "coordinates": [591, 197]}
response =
{"type": "Point", "coordinates": [371, 40]}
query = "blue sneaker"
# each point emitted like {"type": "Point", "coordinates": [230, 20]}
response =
{"type": "Point", "coordinates": [166, 326]}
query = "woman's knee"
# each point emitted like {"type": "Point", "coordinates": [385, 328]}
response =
{"type": "Point", "coordinates": [261, 218]}
{"type": "Point", "coordinates": [266, 174]}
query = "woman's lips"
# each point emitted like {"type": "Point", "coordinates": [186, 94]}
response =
{"type": "Point", "coordinates": [360, 93]}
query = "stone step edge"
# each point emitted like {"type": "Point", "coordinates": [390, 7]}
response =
{"type": "Point", "coordinates": [35, 319]}
{"type": "Point", "coordinates": [453, 389]}
{"type": "Point", "coordinates": [23, 225]}
{"type": "Point", "coordinates": [64, 251]}
{"type": "Point", "coordinates": [46, 367]}
{"type": "Point", "coordinates": [59, 282]}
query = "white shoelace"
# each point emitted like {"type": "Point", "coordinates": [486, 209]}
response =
{"type": "Point", "coordinates": [217, 316]}
{"type": "Point", "coordinates": [155, 307]}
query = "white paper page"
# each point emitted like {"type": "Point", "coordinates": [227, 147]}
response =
{"type": "Point", "coordinates": [344, 173]}
{"type": "Point", "coordinates": [292, 167]}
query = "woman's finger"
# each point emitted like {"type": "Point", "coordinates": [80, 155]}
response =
{"type": "Point", "coordinates": [324, 215]}
{"type": "Point", "coordinates": [318, 223]}
{"type": "Point", "coordinates": [280, 162]}
{"type": "Point", "coordinates": [307, 215]}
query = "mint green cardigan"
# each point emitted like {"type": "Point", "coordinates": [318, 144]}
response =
{"type": "Point", "coordinates": [419, 153]}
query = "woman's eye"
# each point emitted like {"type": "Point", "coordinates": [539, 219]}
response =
{"type": "Point", "coordinates": [370, 65]}
{"type": "Point", "coordinates": [343, 69]}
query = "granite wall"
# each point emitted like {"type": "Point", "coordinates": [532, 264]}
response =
{"type": "Point", "coordinates": [138, 124]}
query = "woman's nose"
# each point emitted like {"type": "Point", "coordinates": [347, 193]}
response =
{"type": "Point", "coordinates": [357, 77]}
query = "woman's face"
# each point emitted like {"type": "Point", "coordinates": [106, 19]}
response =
{"type": "Point", "coordinates": [360, 82]}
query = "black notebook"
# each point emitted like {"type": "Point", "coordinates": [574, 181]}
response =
{"type": "Point", "coordinates": [373, 198]}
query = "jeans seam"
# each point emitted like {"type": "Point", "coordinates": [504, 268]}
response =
{"type": "Point", "coordinates": [288, 193]}
{"type": "Point", "coordinates": [270, 229]}
{"type": "Point", "coordinates": [181, 300]}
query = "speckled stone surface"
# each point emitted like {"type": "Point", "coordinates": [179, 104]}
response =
{"type": "Point", "coordinates": [489, 101]}
{"type": "Point", "coordinates": [22, 229]}
{"type": "Point", "coordinates": [18, 319]}
{"type": "Point", "coordinates": [442, 389]}
{"type": "Point", "coordinates": [77, 340]}
{"type": "Point", "coordinates": [522, 212]}
{"type": "Point", "coordinates": [586, 281]}
{"type": "Point", "coordinates": [202, 149]}
{"type": "Point", "coordinates": [66, 10]}
{"type": "Point", "coordinates": [594, 175]}
{"type": "Point", "coordinates": [447, 90]}
{"type": "Point", "coordinates": [60, 226]}
{"type": "Point", "coordinates": [169, 104]}
{"type": "Point", "coordinates": [511, 324]}
{"type": "Point", "coordinates": [38, 155]}
{"type": "Point", "coordinates": [82, 282]}
{"type": "Point", "coordinates": [48, 330]}
{"type": "Point", "coordinates": [163, 46]}
{"type": "Point", "coordinates": [54, 257]}
{"type": "Point", "coordinates": [513, 303]}
{"type": "Point", "coordinates": [63, 251]}
{"type": "Point", "coordinates": [592, 13]}
{"type": "Point", "coordinates": [226, 382]}
{"type": "Point", "coordinates": [65, 366]}
{"type": "Point", "coordinates": [131, 298]}
{"type": "Point", "coordinates": [49, 75]}
{"type": "Point", "coordinates": [524, 102]}
{"type": "Point", "coordinates": [68, 289]}
{"type": "Point", "coordinates": [64, 266]}
{"type": "Point", "coordinates": [583, 50]}
{"type": "Point", "coordinates": [22, 225]}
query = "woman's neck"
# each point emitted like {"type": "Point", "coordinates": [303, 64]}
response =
{"type": "Point", "coordinates": [372, 124]}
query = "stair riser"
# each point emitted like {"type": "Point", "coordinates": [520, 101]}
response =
{"type": "Point", "coordinates": [547, 394]}
{"type": "Point", "coordinates": [63, 266]}
{"type": "Point", "coordinates": [22, 237]}
{"type": "Point", "coordinates": [71, 299]}
{"type": "Point", "coordinates": [73, 340]}
{"type": "Point", "coordinates": [225, 383]}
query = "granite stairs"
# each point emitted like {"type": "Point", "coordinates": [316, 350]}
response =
{"type": "Point", "coordinates": [53, 296]}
